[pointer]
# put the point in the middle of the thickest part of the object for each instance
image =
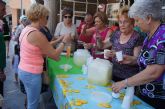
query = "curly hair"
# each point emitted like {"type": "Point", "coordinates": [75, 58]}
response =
{"type": "Point", "coordinates": [124, 11]}
{"type": "Point", "coordinates": [37, 11]}
{"type": "Point", "coordinates": [102, 16]}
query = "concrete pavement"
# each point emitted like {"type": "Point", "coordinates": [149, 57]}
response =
{"type": "Point", "coordinates": [13, 97]}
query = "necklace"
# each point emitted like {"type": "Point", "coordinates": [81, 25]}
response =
{"type": "Point", "coordinates": [151, 34]}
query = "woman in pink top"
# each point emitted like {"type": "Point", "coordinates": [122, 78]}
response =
{"type": "Point", "coordinates": [33, 47]}
{"type": "Point", "coordinates": [101, 31]}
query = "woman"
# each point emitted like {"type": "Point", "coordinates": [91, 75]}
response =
{"type": "Point", "coordinates": [66, 27]}
{"type": "Point", "coordinates": [129, 42]}
{"type": "Point", "coordinates": [88, 23]}
{"type": "Point", "coordinates": [147, 15]}
{"type": "Point", "coordinates": [33, 47]}
{"type": "Point", "coordinates": [101, 31]}
{"type": "Point", "coordinates": [24, 21]}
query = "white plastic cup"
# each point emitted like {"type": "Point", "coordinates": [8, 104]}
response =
{"type": "Point", "coordinates": [115, 95]}
{"type": "Point", "coordinates": [65, 67]}
{"type": "Point", "coordinates": [105, 52]}
{"type": "Point", "coordinates": [119, 56]}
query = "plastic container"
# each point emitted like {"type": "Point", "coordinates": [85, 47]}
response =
{"type": "Point", "coordinates": [80, 57]}
{"type": "Point", "coordinates": [99, 72]}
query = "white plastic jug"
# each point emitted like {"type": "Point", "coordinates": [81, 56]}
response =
{"type": "Point", "coordinates": [80, 57]}
{"type": "Point", "coordinates": [99, 72]}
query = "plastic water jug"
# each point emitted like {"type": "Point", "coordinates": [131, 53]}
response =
{"type": "Point", "coordinates": [99, 72]}
{"type": "Point", "coordinates": [80, 57]}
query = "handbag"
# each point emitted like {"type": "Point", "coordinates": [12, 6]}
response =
{"type": "Point", "coordinates": [45, 75]}
{"type": "Point", "coordinates": [2, 77]}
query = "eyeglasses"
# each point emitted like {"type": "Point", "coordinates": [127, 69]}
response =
{"type": "Point", "coordinates": [124, 22]}
{"type": "Point", "coordinates": [68, 17]}
{"type": "Point", "coordinates": [47, 17]}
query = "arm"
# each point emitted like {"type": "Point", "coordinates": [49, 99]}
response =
{"type": "Point", "coordinates": [57, 40]}
{"type": "Point", "coordinates": [105, 43]}
{"type": "Point", "coordinates": [131, 60]}
{"type": "Point", "coordinates": [87, 32]}
{"type": "Point", "coordinates": [88, 45]}
{"type": "Point", "coordinates": [151, 73]}
{"type": "Point", "coordinates": [36, 38]}
{"type": "Point", "coordinates": [73, 33]}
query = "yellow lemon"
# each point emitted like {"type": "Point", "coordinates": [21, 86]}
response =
{"type": "Point", "coordinates": [135, 102]}
{"type": "Point", "coordinates": [78, 103]}
{"type": "Point", "coordinates": [76, 91]}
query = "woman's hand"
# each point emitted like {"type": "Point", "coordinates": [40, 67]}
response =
{"type": "Point", "coordinates": [110, 53]}
{"type": "Point", "coordinates": [87, 45]}
{"type": "Point", "coordinates": [67, 39]}
{"type": "Point", "coordinates": [116, 87]}
{"type": "Point", "coordinates": [59, 39]}
{"type": "Point", "coordinates": [129, 60]}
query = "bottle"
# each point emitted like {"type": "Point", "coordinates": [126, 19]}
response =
{"type": "Point", "coordinates": [128, 98]}
{"type": "Point", "coordinates": [98, 40]}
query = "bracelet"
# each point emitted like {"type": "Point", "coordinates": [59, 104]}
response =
{"type": "Point", "coordinates": [126, 82]}
{"type": "Point", "coordinates": [63, 43]}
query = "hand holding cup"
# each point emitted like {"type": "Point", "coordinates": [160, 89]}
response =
{"type": "Point", "coordinates": [119, 56]}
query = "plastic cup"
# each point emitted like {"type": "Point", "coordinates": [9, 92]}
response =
{"type": "Point", "coordinates": [105, 52]}
{"type": "Point", "coordinates": [115, 95]}
{"type": "Point", "coordinates": [119, 56]}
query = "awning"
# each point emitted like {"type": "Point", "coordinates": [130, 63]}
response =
{"type": "Point", "coordinates": [16, 4]}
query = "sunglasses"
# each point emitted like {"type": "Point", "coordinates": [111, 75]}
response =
{"type": "Point", "coordinates": [68, 17]}
{"type": "Point", "coordinates": [47, 17]}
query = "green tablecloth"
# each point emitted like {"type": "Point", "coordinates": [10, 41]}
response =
{"type": "Point", "coordinates": [54, 69]}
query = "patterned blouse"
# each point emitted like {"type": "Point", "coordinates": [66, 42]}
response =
{"type": "Point", "coordinates": [124, 70]}
{"type": "Point", "coordinates": [153, 52]}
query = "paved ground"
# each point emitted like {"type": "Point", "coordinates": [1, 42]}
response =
{"type": "Point", "coordinates": [14, 98]}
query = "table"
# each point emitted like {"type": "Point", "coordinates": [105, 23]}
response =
{"type": "Point", "coordinates": [71, 89]}
{"type": "Point", "coordinates": [74, 92]}
{"type": "Point", "coordinates": [54, 69]}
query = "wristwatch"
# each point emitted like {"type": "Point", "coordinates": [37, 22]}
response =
{"type": "Point", "coordinates": [63, 43]}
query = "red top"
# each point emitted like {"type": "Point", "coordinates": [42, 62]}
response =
{"type": "Point", "coordinates": [84, 38]}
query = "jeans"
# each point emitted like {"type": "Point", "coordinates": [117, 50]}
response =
{"type": "Point", "coordinates": [32, 83]}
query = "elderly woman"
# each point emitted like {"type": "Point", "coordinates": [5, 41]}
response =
{"type": "Point", "coordinates": [23, 23]}
{"type": "Point", "coordinates": [88, 23]}
{"type": "Point", "coordinates": [126, 40]}
{"type": "Point", "coordinates": [147, 15]}
{"type": "Point", "coordinates": [67, 28]}
{"type": "Point", "coordinates": [33, 47]}
{"type": "Point", "coordinates": [101, 31]}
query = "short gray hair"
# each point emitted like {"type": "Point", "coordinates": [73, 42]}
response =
{"type": "Point", "coordinates": [144, 8]}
